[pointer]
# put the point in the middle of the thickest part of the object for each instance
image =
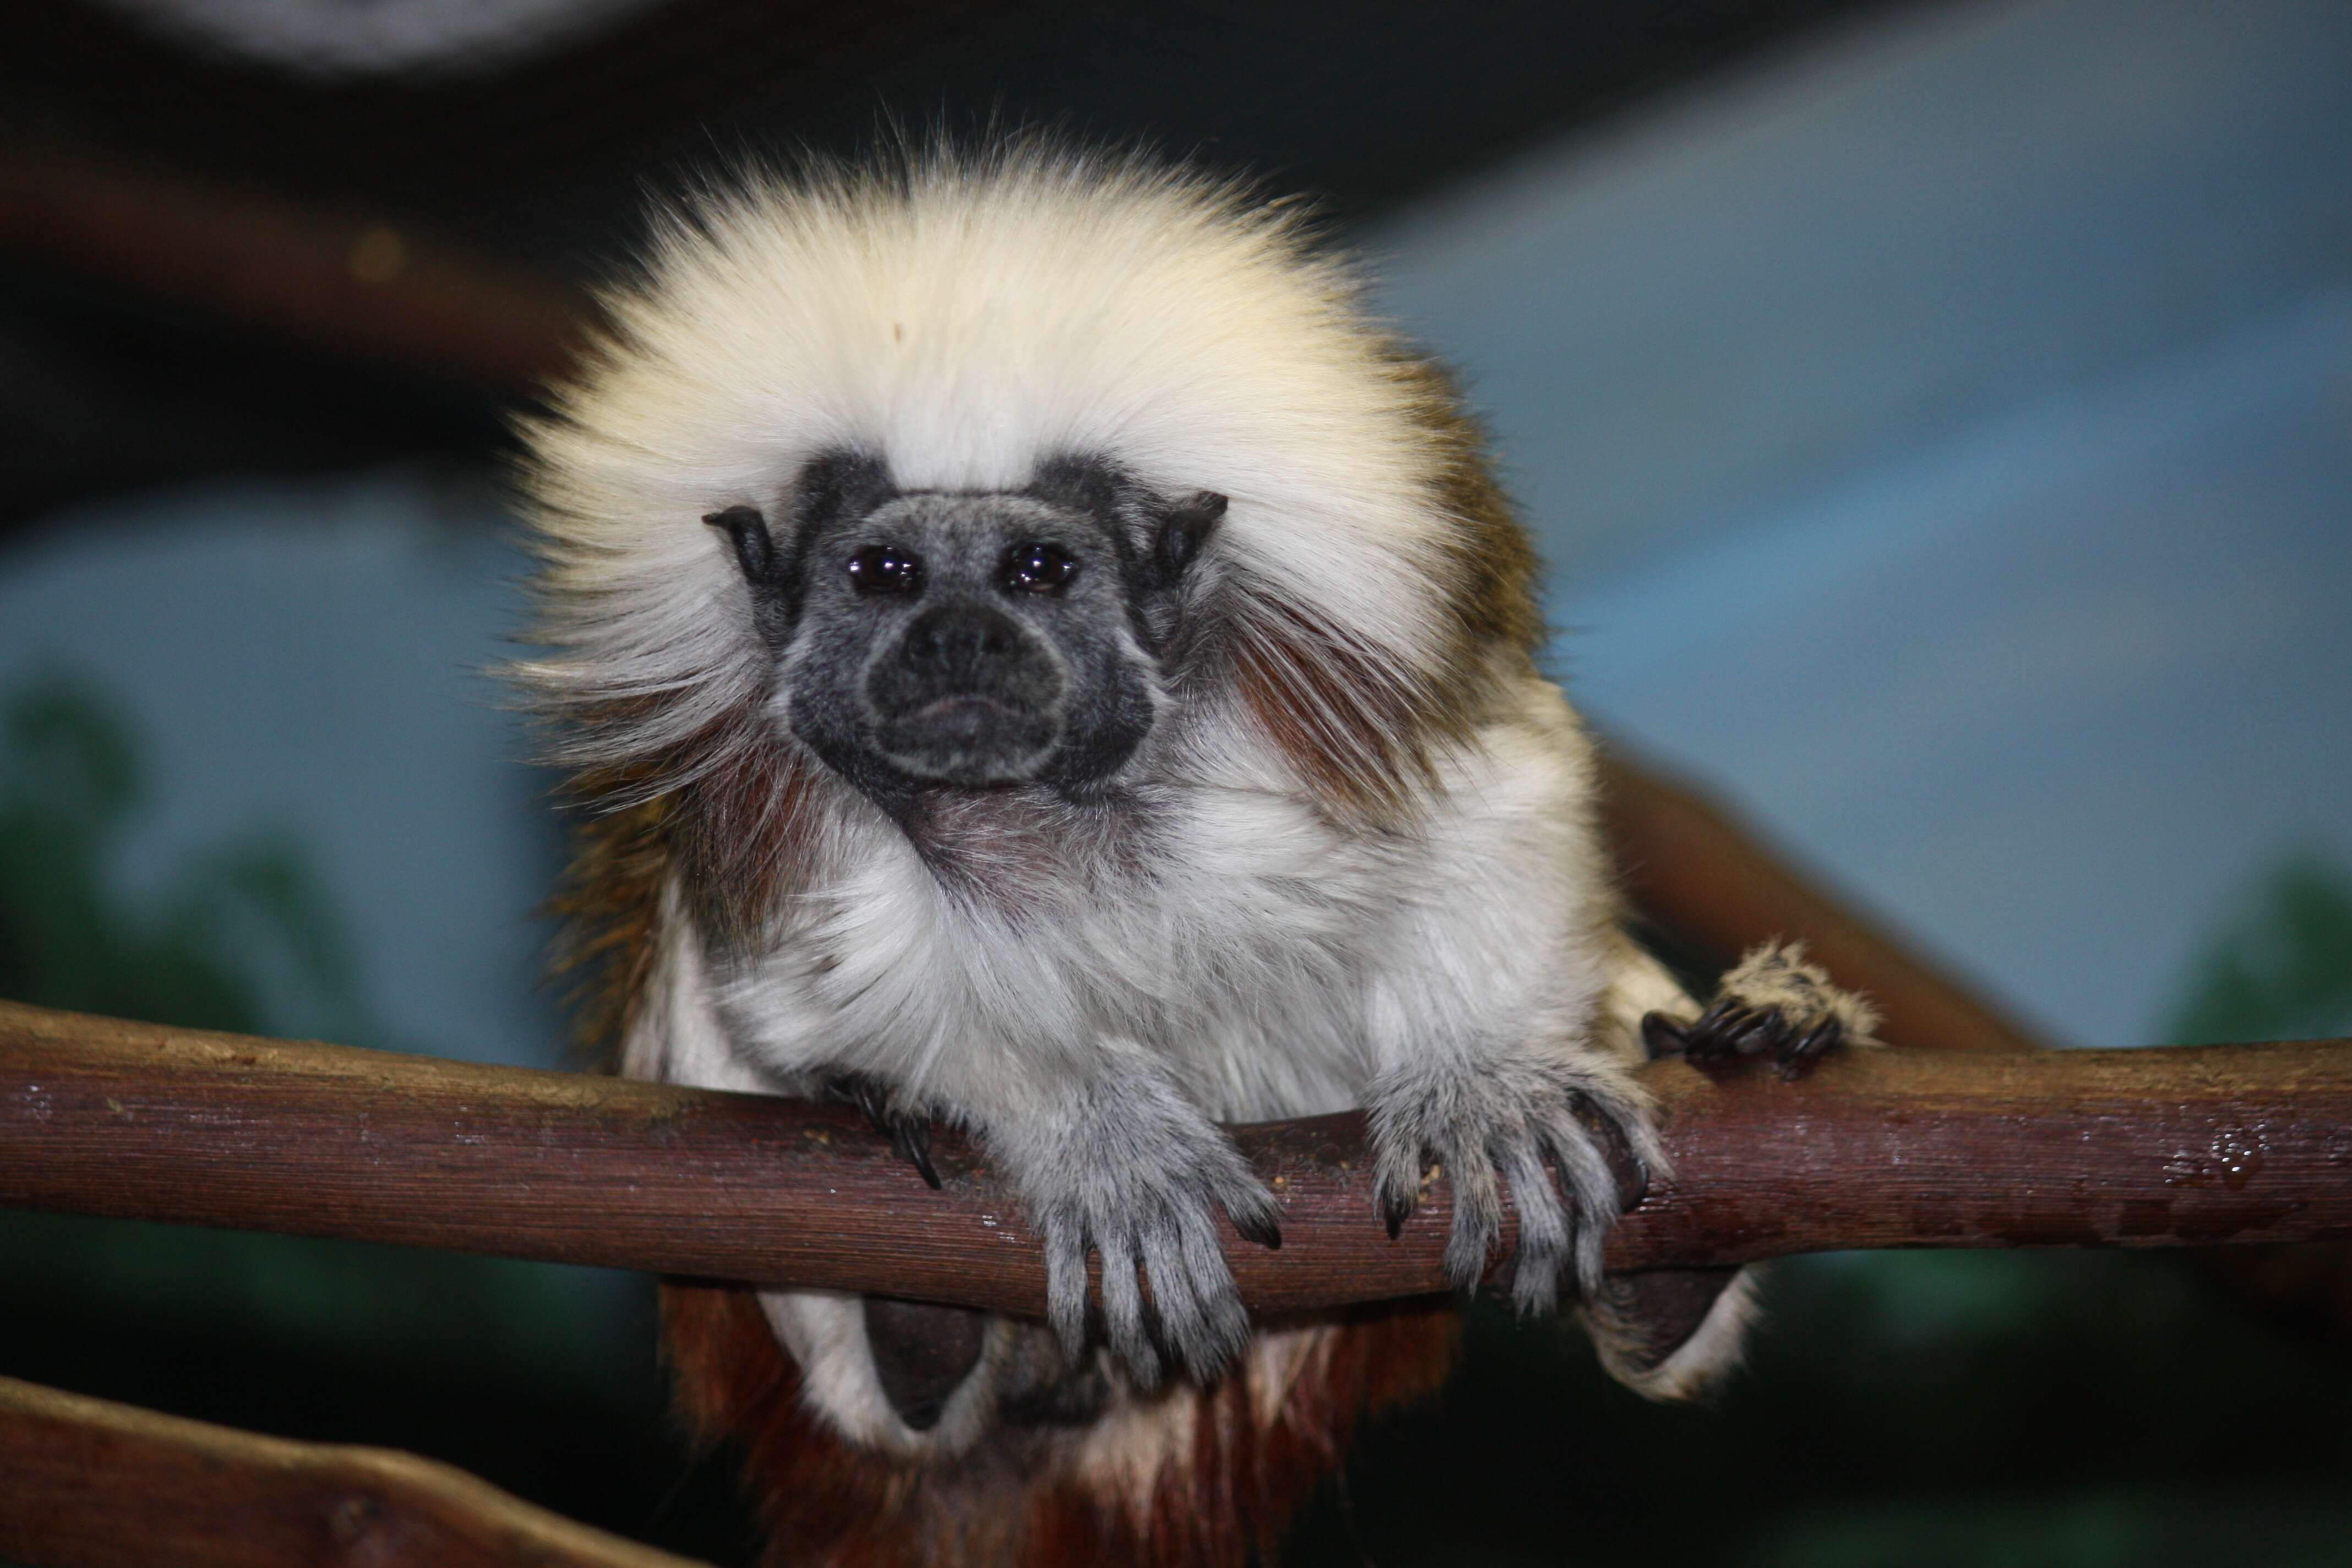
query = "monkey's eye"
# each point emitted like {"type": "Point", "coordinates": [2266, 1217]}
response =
{"type": "Point", "coordinates": [1039, 569]}
{"type": "Point", "coordinates": [885, 569]}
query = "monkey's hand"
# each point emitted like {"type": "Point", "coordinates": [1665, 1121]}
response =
{"type": "Point", "coordinates": [1772, 1004]}
{"type": "Point", "coordinates": [1482, 1121]}
{"type": "Point", "coordinates": [1126, 1166]}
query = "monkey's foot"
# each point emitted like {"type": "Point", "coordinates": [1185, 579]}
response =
{"type": "Point", "coordinates": [909, 1134]}
{"type": "Point", "coordinates": [1485, 1122]}
{"type": "Point", "coordinates": [1774, 1004]}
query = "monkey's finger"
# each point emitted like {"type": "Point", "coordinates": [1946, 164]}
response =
{"type": "Point", "coordinates": [1603, 1102]}
{"type": "Point", "coordinates": [1396, 1200]}
{"type": "Point", "coordinates": [1546, 1228]}
{"type": "Point", "coordinates": [852, 1088]}
{"type": "Point", "coordinates": [1593, 1188]}
{"type": "Point", "coordinates": [1396, 1187]}
{"type": "Point", "coordinates": [1758, 1035]}
{"type": "Point", "coordinates": [1065, 1284]}
{"type": "Point", "coordinates": [1122, 1304]}
{"type": "Point", "coordinates": [1477, 1216]}
{"type": "Point", "coordinates": [1200, 1313]}
{"type": "Point", "coordinates": [1165, 1287]}
{"type": "Point", "coordinates": [1255, 1213]}
{"type": "Point", "coordinates": [1396, 1208]}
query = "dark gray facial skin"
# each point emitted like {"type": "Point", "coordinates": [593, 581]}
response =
{"type": "Point", "coordinates": [970, 640]}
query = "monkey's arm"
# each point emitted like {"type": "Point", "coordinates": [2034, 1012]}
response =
{"type": "Point", "coordinates": [1489, 1054]}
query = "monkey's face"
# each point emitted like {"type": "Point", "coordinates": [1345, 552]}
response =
{"type": "Point", "coordinates": [969, 639]}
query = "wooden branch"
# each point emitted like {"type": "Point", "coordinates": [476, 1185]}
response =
{"type": "Point", "coordinates": [86, 1483]}
{"type": "Point", "coordinates": [2139, 1148]}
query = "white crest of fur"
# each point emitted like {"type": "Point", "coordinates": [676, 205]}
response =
{"type": "Point", "coordinates": [965, 317]}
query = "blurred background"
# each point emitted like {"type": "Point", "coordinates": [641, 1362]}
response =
{"type": "Point", "coordinates": [1936, 418]}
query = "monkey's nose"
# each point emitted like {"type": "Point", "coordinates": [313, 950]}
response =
{"type": "Point", "coordinates": [956, 645]}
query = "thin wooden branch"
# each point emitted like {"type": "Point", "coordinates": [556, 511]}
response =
{"type": "Point", "coordinates": [2139, 1148]}
{"type": "Point", "coordinates": [86, 1483]}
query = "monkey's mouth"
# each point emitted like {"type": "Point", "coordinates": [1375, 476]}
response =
{"type": "Point", "coordinates": [969, 738]}
{"type": "Point", "coordinates": [972, 712]}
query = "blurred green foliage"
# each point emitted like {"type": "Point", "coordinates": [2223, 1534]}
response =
{"type": "Point", "coordinates": [243, 936]}
{"type": "Point", "coordinates": [2279, 969]}
{"type": "Point", "coordinates": [204, 953]}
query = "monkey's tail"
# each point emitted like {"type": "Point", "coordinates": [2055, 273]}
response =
{"type": "Point", "coordinates": [1214, 1477]}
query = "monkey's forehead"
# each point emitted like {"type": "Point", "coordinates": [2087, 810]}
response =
{"type": "Point", "coordinates": [950, 515]}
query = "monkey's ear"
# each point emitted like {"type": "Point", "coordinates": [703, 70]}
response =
{"type": "Point", "coordinates": [1187, 529]}
{"type": "Point", "coordinates": [755, 553]}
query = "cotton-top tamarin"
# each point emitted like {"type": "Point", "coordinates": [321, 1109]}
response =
{"type": "Point", "coordinates": [1042, 658]}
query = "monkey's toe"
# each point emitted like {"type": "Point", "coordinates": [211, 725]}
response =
{"type": "Point", "coordinates": [1798, 1057]}
{"type": "Point", "coordinates": [1731, 1031]}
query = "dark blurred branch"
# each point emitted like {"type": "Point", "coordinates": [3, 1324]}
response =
{"type": "Point", "coordinates": [85, 1483]}
{"type": "Point", "coordinates": [351, 284]}
{"type": "Point", "coordinates": [1897, 1147]}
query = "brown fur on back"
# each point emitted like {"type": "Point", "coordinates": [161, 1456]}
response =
{"type": "Point", "coordinates": [608, 906]}
{"type": "Point", "coordinates": [1363, 733]}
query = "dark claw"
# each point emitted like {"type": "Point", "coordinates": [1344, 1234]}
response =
{"type": "Point", "coordinates": [1395, 1210]}
{"type": "Point", "coordinates": [1822, 1036]}
{"type": "Point", "coordinates": [1758, 1037]}
{"type": "Point", "coordinates": [910, 1136]}
{"type": "Point", "coordinates": [1632, 1177]}
{"type": "Point", "coordinates": [1663, 1035]}
{"type": "Point", "coordinates": [849, 1088]}
{"type": "Point", "coordinates": [1711, 1036]}
{"type": "Point", "coordinates": [1258, 1228]}
{"type": "Point", "coordinates": [912, 1139]}
{"type": "Point", "coordinates": [1799, 1055]}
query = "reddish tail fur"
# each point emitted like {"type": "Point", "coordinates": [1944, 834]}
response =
{"type": "Point", "coordinates": [1020, 1503]}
